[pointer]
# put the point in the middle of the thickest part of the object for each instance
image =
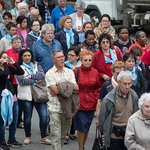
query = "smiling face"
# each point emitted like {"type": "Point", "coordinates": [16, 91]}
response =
{"type": "Point", "coordinates": [142, 39]}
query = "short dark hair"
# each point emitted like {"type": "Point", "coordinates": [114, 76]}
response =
{"type": "Point", "coordinates": [89, 32]}
{"type": "Point", "coordinates": [105, 15]}
{"type": "Point", "coordinates": [32, 21]}
{"type": "Point", "coordinates": [121, 28]}
{"type": "Point", "coordinates": [104, 36]}
{"type": "Point", "coordinates": [137, 34]}
{"type": "Point", "coordinates": [127, 55]}
{"type": "Point", "coordinates": [9, 25]}
{"type": "Point", "coordinates": [22, 51]}
{"type": "Point", "coordinates": [20, 19]}
{"type": "Point", "coordinates": [136, 51]}
{"type": "Point", "coordinates": [8, 14]}
{"type": "Point", "coordinates": [76, 50]}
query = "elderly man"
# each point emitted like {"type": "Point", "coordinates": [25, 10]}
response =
{"type": "Point", "coordinates": [62, 10]}
{"type": "Point", "coordinates": [116, 108]}
{"type": "Point", "coordinates": [58, 74]}
{"type": "Point", "coordinates": [43, 48]}
{"type": "Point", "coordinates": [34, 15]}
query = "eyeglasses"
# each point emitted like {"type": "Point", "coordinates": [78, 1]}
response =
{"type": "Point", "coordinates": [35, 25]}
{"type": "Point", "coordinates": [71, 55]}
{"type": "Point", "coordinates": [105, 20]}
{"type": "Point", "coordinates": [59, 57]}
{"type": "Point", "coordinates": [105, 42]}
{"type": "Point", "coordinates": [16, 42]}
{"type": "Point", "coordinates": [7, 18]}
{"type": "Point", "coordinates": [126, 84]}
{"type": "Point", "coordinates": [87, 60]}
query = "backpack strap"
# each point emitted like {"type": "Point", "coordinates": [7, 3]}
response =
{"type": "Point", "coordinates": [77, 75]}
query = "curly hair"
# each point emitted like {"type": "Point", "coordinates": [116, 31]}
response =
{"type": "Point", "coordinates": [84, 53]}
{"type": "Point", "coordinates": [63, 20]}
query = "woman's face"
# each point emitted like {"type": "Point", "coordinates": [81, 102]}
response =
{"type": "Point", "coordinates": [16, 3]}
{"type": "Point", "coordinates": [88, 27]}
{"type": "Point", "coordinates": [72, 57]}
{"type": "Point", "coordinates": [146, 109]}
{"type": "Point", "coordinates": [4, 57]}
{"type": "Point", "coordinates": [22, 11]}
{"type": "Point", "coordinates": [138, 58]}
{"type": "Point", "coordinates": [87, 61]}
{"type": "Point", "coordinates": [24, 24]}
{"type": "Point", "coordinates": [105, 44]}
{"type": "Point", "coordinates": [80, 11]}
{"type": "Point", "coordinates": [129, 63]}
{"type": "Point", "coordinates": [16, 44]}
{"type": "Point", "coordinates": [26, 57]}
{"type": "Point", "coordinates": [35, 26]}
{"type": "Point", "coordinates": [68, 24]}
{"type": "Point", "coordinates": [105, 22]}
{"type": "Point", "coordinates": [90, 39]}
{"type": "Point", "coordinates": [124, 35]}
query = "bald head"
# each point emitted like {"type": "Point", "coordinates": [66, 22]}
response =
{"type": "Point", "coordinates": [34, 14]}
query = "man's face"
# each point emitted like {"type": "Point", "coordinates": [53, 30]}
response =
{"type": "Point", "coordinates": [34, 15]}
{"type": "Point", "coordinates": [125, 85]}
{"type": "Point", "coordinates": [142, 38]}
{"type": "Point", "coordinates": [59, 59]}
{"type": "Point", "coordinates": [48, 36]}
{"type": "Point", "coordinates": [62, 3]}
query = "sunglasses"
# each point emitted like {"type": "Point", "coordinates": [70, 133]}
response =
{"type": "Point", "coordinates": [87, 60]}
{"type": "Point", "coordinates": [105, 42]}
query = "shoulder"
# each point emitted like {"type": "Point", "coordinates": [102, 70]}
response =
{"type": "Point", "coordinates": [133, 93]}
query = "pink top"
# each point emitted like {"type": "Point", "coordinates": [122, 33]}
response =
{"type": "Point", "coordinates": [24, 36]}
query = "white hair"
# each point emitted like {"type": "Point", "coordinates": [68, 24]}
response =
{"type": "Point", "coordinates": [47, 27]}
{"type": "Point", "coordinates": [144, 97]}
{"type": "Point", "coordinates": [23, 4]}
{"type": "Point", "coordinates": [124, 75]}
{"type": "Point", "coordinates": [79, 4]}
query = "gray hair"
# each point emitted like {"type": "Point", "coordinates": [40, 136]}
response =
{"type": "Point", "coordinates": [79, 4]}
{"type": "Point", "coordinates": [144, 97]}
{"type": "Point", "coordinates": [55, 52]}
{"type": "Point", "coordinates": [16, 37]}
{"type": "Point", "coordinates": [124, 75]}
{"type": "Point", "coordinates": [47, 27]}
{"type": "Point", "coordinates": [23, 4]}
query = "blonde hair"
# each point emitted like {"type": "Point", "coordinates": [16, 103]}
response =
{"type": "Point", "coordinates": [63, 20]}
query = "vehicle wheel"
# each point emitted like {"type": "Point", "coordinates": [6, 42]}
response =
{"type": "Point", "coordinates": [95, 17]}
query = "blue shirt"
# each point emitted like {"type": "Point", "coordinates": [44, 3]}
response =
{"type": "Point", "coordinates": [57, 14]}
{"type": "Point", "coordinates": [42, 53]}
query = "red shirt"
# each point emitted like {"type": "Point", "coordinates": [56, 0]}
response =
{"type": "Point", "coordinates": [14, 55]}
{"type": "Point", "coordinates": [89, 87]}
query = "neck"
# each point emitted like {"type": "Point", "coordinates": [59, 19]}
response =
{"type": "Point", "coordinates": [47, 42]}
{"type": "Point", "coordinates": [74, 63]}
{"type": "Point", "coordinates": [79, 15]}
{"type": "Point", "coordinates": [106, 52]}
{"type": "Point", "coordinates": [36, 32]}
{"type": "Point", "coordinates": [60, 69]}
{"type": "Point", "coordinates": [63, 7]}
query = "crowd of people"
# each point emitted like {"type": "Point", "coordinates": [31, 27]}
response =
{"type": "Point", "coordinates": [87, 69]}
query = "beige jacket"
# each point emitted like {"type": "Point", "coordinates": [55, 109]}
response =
{"type": "Point", "coordinates": [137, 135]}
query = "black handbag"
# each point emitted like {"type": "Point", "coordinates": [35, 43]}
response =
{"type": "Point", "coordinates": [98, 142]}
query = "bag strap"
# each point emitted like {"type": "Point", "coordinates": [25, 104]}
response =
{"type": "Point", "coordinates": [77, 75]}
{"type": "Point", "coordinates": [145, 75]}
{"type": "Point", "coordinates": [62, 11]}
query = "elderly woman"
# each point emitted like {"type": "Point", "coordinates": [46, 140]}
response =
{"type": "Point", "coordinates": [88, 82]}
{"type": "Point", "coordinates": [79, 17]}
{"type": "Point", "coordinates": [105, 57]}
{"type": "Point", "coordinates": [104, 27]}
{"type": "Point", "coordinates": [23, 9]}
{"type": "Point", "coordinates": [138, 128]}
{"type": "Point", "coordinates": [67, 36]}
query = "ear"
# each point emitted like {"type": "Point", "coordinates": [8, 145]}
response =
{"type": "Point", "coordinates": [53, 59]}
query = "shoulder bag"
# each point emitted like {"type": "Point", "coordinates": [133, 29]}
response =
{"type": "Point", "coordinates": [98, 142]}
